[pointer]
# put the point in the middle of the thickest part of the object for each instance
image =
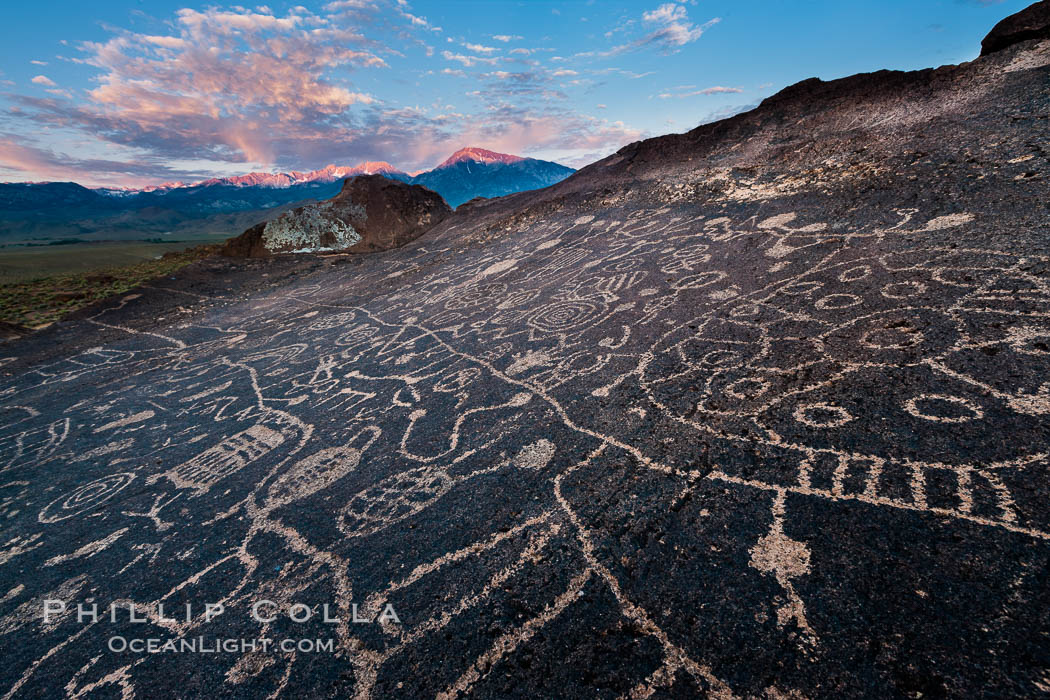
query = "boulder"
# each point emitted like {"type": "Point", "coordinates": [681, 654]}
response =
{"type": "Point", "coordinates": [1033, 22]}
{"type": "Point", "coordinates": [370, 213]}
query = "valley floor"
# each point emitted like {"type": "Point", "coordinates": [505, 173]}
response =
{"type": "Point", "coordinates": [40, 285]}
{"type": "Point", "coordinates": [22, 263]}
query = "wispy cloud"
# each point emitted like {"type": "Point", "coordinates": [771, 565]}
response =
{"type": "Point", "coordinates": [43, 80]}
{"type": "Point", "coordinates": [402, 9]}
{"type": "Point", "coordinates": [468, 61]}
{"type": "Point", "coordinates": [19, 159]}
{"type": "Point", "coordinates": [716, 90]}
{"type": "Point", "coordinates": [674, 29]}
{"type": "Point", "coordinates": [478, 48]}
{"type": "Point", "coordinates": [669, 30]}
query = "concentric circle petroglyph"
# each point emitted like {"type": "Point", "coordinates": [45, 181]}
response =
{"type": "Point", "coordinates": [85, 497]}
{"type": "Point", "coordinates": [562, 316]}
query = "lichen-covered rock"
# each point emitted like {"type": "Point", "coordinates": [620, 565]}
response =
{"type": "Point", "coordinates": [369, 214]}
{"type": "Point", "coordinates": [309, 229]}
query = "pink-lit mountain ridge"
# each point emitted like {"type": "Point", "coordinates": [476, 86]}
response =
{"type": "Point", "coordinates": [479, 155]}
{"type": "Point", "coordinates": [222, 205]}
{"type": "Point", "coordinates": [333, 173]}
{"type": "Point", "coordinates": [329, 173]}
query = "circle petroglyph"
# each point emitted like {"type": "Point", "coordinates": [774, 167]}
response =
{"type": "Point", "coordinates": [889, 338]}
{"type": "Point", "coordinates": [822, 415]}
{"type": "Point", "coordinates": [943, 409]}
{"type": "Point", "coordinates": [358, 333]}
{"type": "Point", "coordinates": [561, 316]}
{"type": "Point", "coordinates": [903, 290]}
{"type": "Point", "coordinates": [720, 358]}
{"type": "Point", "coordinates": [855, 274]}
{"type": "Point", "coordinates": [837, 301]}
{"type": "Point", "coordinates": [748, 388]}
{"type": "Point", "coordinates": [85, 497]}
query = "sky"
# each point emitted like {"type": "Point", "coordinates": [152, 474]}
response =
{"type": "Point", "coordinates": [133, 93]}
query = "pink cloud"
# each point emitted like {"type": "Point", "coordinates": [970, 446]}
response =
{"type": "Point", "coordinates": [248, 86]}
{"type": "Point", "coordinates": [19, 161]}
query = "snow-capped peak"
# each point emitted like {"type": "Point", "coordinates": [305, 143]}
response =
{"type": "Point", "coordinates": [329, 173]}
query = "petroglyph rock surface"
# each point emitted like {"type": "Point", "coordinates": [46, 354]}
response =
{"type": "Point", "coordinates": [760, 410]}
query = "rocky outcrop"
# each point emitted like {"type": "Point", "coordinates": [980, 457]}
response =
{"type": "Point", "coordinates": [371, 213]}
{"type": "Point", "coordinates": [1033, 22]}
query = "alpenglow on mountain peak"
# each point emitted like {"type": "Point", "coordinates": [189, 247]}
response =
{"type": "Point", "coordinates": [480, 155]}
{"type": "Point", "coordinates": [331, 173]}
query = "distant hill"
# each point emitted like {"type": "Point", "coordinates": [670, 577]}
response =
{"type": "Point", "coordinates": [39, 197]}
{"type": "Point", "coordinates": [211, 207]}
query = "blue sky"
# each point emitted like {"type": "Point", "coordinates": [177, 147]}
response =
{"type": "Point", "coordinates": [137, 93]}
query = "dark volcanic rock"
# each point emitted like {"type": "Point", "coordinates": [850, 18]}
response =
{"type": "Point", "coordinates": [1033, 22]}
{"type": "Point", "coordinates": [369, 214]}
{"type": "Point", "coordinates": [758, 410]}
{"type": "Point", "coordinates": [11, 331]}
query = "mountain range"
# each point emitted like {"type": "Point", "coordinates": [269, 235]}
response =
{"type": "Point", "coordinates": [226, 205]}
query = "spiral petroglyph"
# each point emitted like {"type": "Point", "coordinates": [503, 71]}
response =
{"type": "Point", "coordinates": [85, 497]}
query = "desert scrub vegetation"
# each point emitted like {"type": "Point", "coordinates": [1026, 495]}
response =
{"type": "Point", "coordinates": [38, 302]}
